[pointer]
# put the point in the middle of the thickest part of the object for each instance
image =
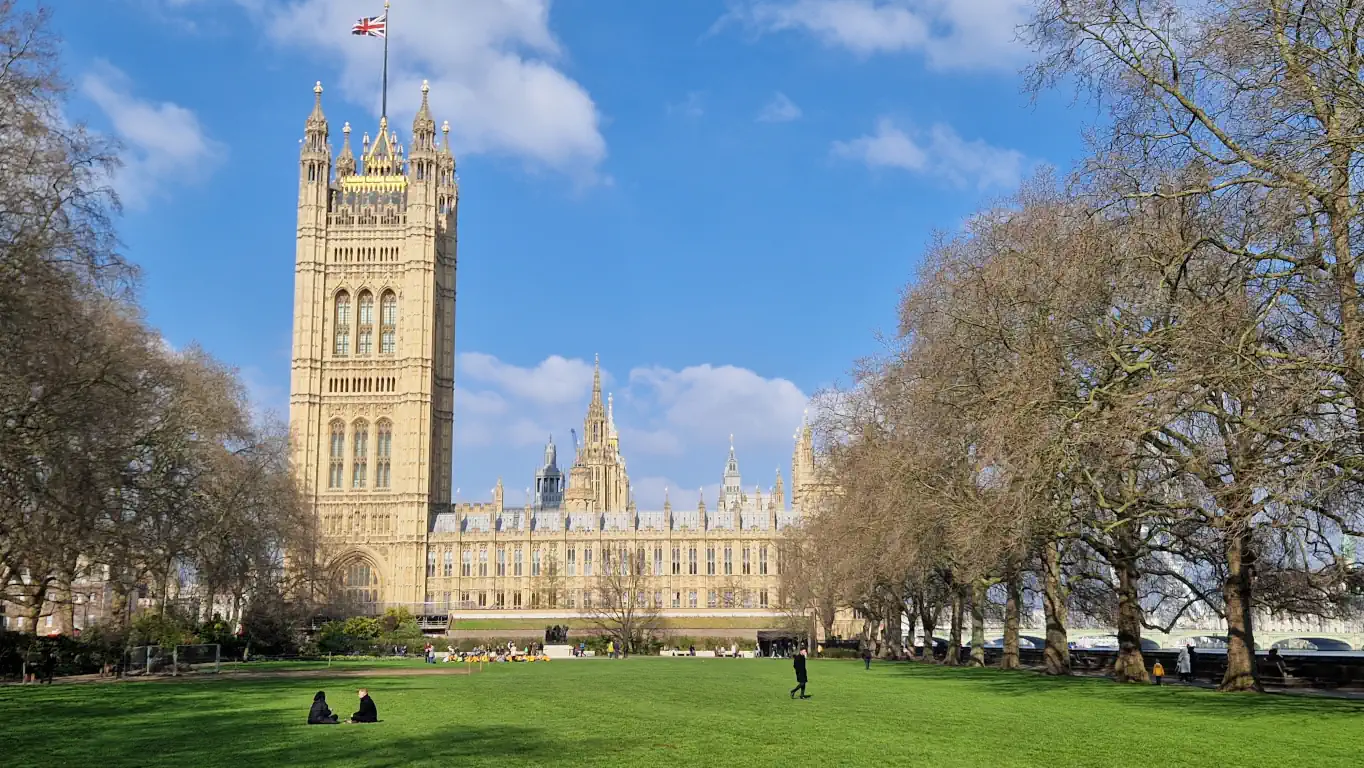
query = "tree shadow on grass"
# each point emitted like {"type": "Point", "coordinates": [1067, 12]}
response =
{"type": "Point", "coordinates": [235, 723]}
{"type": "Point", "coordinates": [998, 682]}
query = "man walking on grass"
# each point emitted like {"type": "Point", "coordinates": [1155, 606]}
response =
{"type": "Point", "coordinates": [801, 676]}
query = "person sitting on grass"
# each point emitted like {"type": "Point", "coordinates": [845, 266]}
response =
{"type": "Point", "coordinates": [368, 713]}
{"type": "Point", "coordinates": [320, 714]}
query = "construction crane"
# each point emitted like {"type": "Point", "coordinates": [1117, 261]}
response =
{"type": "Point", "coordinates": [574, 432]}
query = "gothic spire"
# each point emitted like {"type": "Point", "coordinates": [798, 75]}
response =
{"type": "Point", "coordinates": [345, 164]}
{"type": "Point", "coordinates": [315, 128]}
{"type": "Point", "coordinates": [610, 417]}
{"type": "Point", "coordinates": [596, 379]}
{"type": "Point", "coordinates": [551, 454]}
{"type": "Point", "coordinates": [316, 117]}
{"type": "Point", "coordinates": [423, 126]}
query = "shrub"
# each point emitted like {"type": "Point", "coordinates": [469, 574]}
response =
{"type": "Point", "coordinates": [166, 631]}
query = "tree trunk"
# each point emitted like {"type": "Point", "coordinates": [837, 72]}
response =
{"type": "Point", "coordinates": [929, 620]}
{"type": "Point", "coordinates": [891, 635]}
{"type": "Point", "coordinates": [978, 624]}
{"type": "Point", "coordinates": [1057, 653]}
{"type": "Point", "coordinates": [1011, 602]}
{"type": "Point", "coordinates": [1236, 591]}
{"type": "Point", "coordinates": [954, 635]}
{"type": "Point", "coordinates": [912, 619]}
{"type": "Point", "coordinates": [35, 608]}
{"type": "Point", "coordinates": [1130, 666]}
{"type": "Point", "coordinates": [206, 610]}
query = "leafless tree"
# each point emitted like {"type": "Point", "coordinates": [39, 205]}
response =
{"type": "Point", "coordinates": [619, 604]}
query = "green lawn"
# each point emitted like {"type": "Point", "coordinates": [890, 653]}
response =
{"type": "Point", "coordinates": [677, 712]}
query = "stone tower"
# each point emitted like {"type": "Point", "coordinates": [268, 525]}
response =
{"type": "Point", "coordinates": [549, 481]}
{"type": "Point", "coordinates": [598, 481]}
{"type": "Point", "coordinates": [372, 385]}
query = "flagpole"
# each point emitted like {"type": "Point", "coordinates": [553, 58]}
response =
{"type": "Point", "coordinates": [387, 28]}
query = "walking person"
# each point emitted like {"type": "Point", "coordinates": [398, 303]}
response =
{"type": "Point", "coordinates": [1184, 666]}
{"type": "Point", "coordinates": [866, 655]}
{"type": "Point", "coordinates": [801, 676]}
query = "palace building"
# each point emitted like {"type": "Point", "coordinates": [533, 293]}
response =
{"type": "Point", "coordinates": [372, 417]}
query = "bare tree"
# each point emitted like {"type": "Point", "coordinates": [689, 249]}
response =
{"type": "Point", "coordinates": [619, 604]}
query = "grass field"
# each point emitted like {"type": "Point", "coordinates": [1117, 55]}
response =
{"type": "Point", "coordinates": [675, 712]}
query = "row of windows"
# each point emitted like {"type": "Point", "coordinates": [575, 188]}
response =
{"type": "Point", "coordinates": [344, 384]}
{"type": "Point", "coordinates": [728, 598]}
{"type": "Point", "coordinates": [444, 564]}
{"type": "Point", "coordinates": [360, 454]}
{"type": "Point", "coordinates": [337, 524]}
{"type": "Point", "coordinates": [347, 217]}
{"type": "Point", "coordinates": [353, 255]}
{"type": "Point", "coordinates": [364, 324]}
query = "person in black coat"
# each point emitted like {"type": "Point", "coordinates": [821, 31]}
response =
{"type": "Point", "coordinates": [368, 713]}
{"type": "Point", "coordinates": [320, 714]}
{"type": "Point", "coordinates": [801, 676]}
{"type": "Point", "coordinates": [866, 655]}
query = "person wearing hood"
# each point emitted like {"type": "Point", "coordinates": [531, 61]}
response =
{"type": "Point", "coordinates": [321, 714]}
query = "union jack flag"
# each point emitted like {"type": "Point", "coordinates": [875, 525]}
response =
{"type": "Point", "coordinates": [372, 27]}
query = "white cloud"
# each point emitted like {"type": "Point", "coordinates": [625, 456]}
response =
{"type": "Point", "coordinates": [494, 68]}
{"type": "Point", "coordinates": [779, 110]}
{"type": "Point", "coordinates": [691, 107]}
{"type": "Point", "coordinates": [950, 34]}
{"type": "Point", "coordinates": [704, 401]}
{"type": "Point", "coordinates": [555, 381]}
{"type": "Point", "coordinates": [163, 143]}
{"type": "Point", "coordinates": [674, 425]}
{"type": "Point", "coordinates": [941, 153]}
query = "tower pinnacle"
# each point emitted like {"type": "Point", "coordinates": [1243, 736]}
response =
{"type": "Point", "coordinates": [596, 379]}
{"type": "Point", "coordinates": [315, 128]}
{"type": "Point", "coordinates": [345, 164]}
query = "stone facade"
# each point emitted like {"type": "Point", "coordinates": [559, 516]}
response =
{"type": "Point", "coordinates": [371, 414]}
{"type": "Point", "coordinates": [371, 406]}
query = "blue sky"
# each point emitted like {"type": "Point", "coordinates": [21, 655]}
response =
{"type": "Point", "coordinates": [723, 199]}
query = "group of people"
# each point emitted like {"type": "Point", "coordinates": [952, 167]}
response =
{"type": "Point", "coordinates": [321, 714]}
{"type": "Point", "coordinates": [497, 653]}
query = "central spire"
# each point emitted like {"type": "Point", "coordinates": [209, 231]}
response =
{"type": "Point", "coordinates": [596, 379]}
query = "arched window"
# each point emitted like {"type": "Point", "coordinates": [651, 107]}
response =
{"type": "Point", "coordinates": [364, 325]}
{"type": "Point", "coordinates": [337, 454]}
{"type": "Point", "coordinates": [383, 452]}
{"type": "Point", "coordinates": [388, 323]}
{"type": "Point", "coordinates": [361, 454]}
{"type": "Point", "coordinates": [342, 330]}
{"type": "Point", "coordinates": [360, 584]}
